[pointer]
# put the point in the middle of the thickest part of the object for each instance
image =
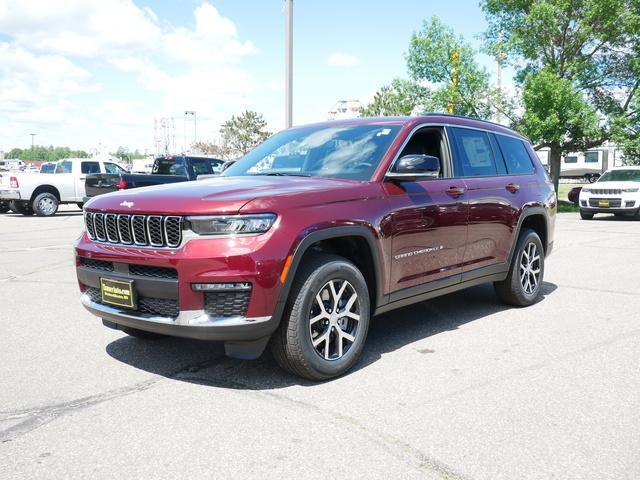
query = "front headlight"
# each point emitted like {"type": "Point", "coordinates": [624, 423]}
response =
{"type": "Point", "coordinates": [231, 224]}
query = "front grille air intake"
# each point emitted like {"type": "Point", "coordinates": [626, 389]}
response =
{"type": "Point", "coordinates": [142, 230]}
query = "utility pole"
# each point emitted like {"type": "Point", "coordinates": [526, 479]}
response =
{"type": "Point", "coordinates": [32, 137]}
{"type": "Point", "coordinates": [499, 60]}
{"type": "Point", "coordinates": [288, 103]}
{"type": "Point", "coordinates": [455, 80]}
{"type": "Point", "coordinates": [193, 113]}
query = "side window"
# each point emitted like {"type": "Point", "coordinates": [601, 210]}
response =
{"type": "Point", "coordinates": [63, 167]}
{"type": "Point", "coordinates": [428, 141]}
{"type": "Point", "coordinates": [112, 168]}
{"type": "Point", "coordinates": [90, 167]}
{"type": "Point", "coordinates": [571, 159]}
{"type": "Point", "coordinates": [474, 156]}
{"type": "Point", "coordinates": [515, 155]}
{"type": "Point", "coordinates": [591, 157]}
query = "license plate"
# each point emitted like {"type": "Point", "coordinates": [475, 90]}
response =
{"type": "Point", "coordinates": [118, 292]}
{"type": "Point", "coordinates": [603, 203]}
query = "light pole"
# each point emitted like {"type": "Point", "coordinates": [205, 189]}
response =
{"type": "Point", "coordinates": [288, 103]}
{"type": "Point", "coordinates": [189, 112]}
{"type": "Point", "coordinates": [32, 137]}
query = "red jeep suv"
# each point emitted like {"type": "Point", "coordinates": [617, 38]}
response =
{"type": "Point", "coordinates": [319, 228]}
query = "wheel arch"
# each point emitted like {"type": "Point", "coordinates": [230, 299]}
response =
{"type": "Point", "coordinates": [537, 219]}
{"type": "Point", "coordinates": [45, 189]}
{"type": "Point", "coordinates": [356, 243]}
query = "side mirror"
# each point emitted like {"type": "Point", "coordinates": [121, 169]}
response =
{"type": "Point", "coordinates": [410, 168]}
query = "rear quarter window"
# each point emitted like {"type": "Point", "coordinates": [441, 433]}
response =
{"type": "Point", "coordinates": [515, 155]}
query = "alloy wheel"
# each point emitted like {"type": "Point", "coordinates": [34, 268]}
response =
{"type": "Point", "coordinates": [334, 319]}
{"type": "Point", "coordinates": [530, 268]}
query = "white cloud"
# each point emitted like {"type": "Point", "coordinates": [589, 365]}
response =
{"type": "Point", "coordinates": [340, 59]}
{"type": "Point", "coordinates": [176, 67]}
{"type": "Point", "coordinates": [83, 28]}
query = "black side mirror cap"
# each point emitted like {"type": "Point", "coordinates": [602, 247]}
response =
{"type": "Point", "coordinates": [410, 168]}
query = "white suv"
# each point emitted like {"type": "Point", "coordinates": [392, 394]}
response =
{"type": "Point", "coordinates": [617, 191]}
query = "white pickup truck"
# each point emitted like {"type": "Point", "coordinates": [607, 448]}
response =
{"type": "Point", "coordinates": [42, 193]}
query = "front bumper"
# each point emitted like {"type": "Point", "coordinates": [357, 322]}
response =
{"type": "Point", "coordinates": [194, 324]}
{"type": "Point", "coordinates": [10, 194]}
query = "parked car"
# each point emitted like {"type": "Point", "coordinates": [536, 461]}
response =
{"type": "Point", "coordinates": [42, 193]}
{"type": "Point", "coordinates": [4, 205]}
{"type": "Point", "coordinates": [168, 169]}
{"type": "Point", "coordinates": [617, 191]}
{"type": "Point", "coordinates": [317, 229]}
{"type": "Point", "coordinates": [574, 195]}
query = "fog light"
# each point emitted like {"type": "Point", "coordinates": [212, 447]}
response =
{"type": "Point", "coordinates": [220, 287]}
{"type": "Point", "coordinates": [583, 203]}
{"type": "Point", "coordinates": [629, 204]}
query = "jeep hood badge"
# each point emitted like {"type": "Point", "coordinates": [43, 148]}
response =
{"type": "Point", "coordinates": [126, 204]}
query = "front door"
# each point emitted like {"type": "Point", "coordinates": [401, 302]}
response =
{"type": "Point", "coordinates": [428, 223]}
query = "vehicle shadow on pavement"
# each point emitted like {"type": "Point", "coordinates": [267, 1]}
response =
{"type": "Point", "coordinates": [204, 363]}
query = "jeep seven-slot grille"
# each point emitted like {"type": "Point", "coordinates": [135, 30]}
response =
{"type": "Point", "coordinates": [140, 230]}
{"type": "Point", "coordinates": [605, 191]}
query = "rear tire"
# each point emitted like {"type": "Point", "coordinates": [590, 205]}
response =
{"type": "Point", "coordinates": [141, 334]}
{"type": "Point", "coordinates": [4, 207]}
{"type": "Point", "coordinates": [326, 321]}
{"type": "Point", "coordinates": [21, 207]}
{"type": "Point", "coordinates": [586, 216]}
{"type": "Point", "coordinates": [45, 204]}
{"type": "Point", "coordinates": [523, 285]}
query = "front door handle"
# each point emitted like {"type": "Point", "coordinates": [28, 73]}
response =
{"type": "Point", "coordinates": [512, 187]}
{"type": "Point", "coordinates": [455, 192]}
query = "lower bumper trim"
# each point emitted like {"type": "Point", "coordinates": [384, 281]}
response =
{"type": "Point", "coordinates": [190, 324]}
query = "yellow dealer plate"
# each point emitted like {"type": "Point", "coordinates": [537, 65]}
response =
{"type": "Point", "coordinates": [603, 203]}
{"type": "Point", "coordinates": [118, 292]}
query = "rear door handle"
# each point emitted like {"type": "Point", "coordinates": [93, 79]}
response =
{"type": "Point", "coordinates": [512, 187]}
{"type": "Point", "coordinates": [455, 192]}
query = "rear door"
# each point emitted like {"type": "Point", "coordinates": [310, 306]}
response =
{"type": "Point", "coordinates": [87, 167]}
{"type": "Point", "coordinates": [428, 223]}
{"type": "Point", "coordinates": [492, 214]}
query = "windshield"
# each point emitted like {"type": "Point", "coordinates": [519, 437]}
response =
{"type": "Point", "coordinates": [346, 152]}
{"type": "Point", "coordinates": [620, 176]}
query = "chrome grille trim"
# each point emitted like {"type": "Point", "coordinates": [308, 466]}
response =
{"type": "Point", "coordinates": [111, 227]}
{"type": "Point", "coordinates": [173, 231]}
{"type": "Point", "coordinates": [159, 231]}
{"type": "Point", "coordinates": [139, 230]}
{"type": "Point", "coordinates": [124, 229]}
{"type": "Point", "coordinates": [154, 230]}
{"type": "Point", "coordinates": [98, 225]}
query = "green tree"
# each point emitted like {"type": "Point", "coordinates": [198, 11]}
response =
{"type": "Point", "coordinates": [244, 132]}
{"type": "Point", "coordinates": [210, 148]}
{"type": "Point", "coordinates": [579, 64]}
{"type": "Point", "coordinates": [399, 98]}
{"type": "Point", "coordinates": [443, 59]}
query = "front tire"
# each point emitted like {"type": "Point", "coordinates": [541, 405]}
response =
{"type": "Point", "coordinates": [586, 216]}
{"type": "Point", "coordinates": [326, 321]}
{"type": "Point", "coordinates": [523, 285]}
{"type": "Point", "coordinates": [45, 204]}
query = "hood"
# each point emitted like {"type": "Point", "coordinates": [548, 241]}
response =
{"type": "Point", "coordinates": [612, 185]}
{"type": "Point", "coordinates": [227, 195]}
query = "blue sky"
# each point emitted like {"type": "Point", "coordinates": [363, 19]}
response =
{"type": "Point", "coordinates": [85, 73]}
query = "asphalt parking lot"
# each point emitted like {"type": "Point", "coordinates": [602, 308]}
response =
{"type": "Point", "coordinates": [456, 388]}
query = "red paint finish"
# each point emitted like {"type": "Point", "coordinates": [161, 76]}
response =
{"type": "Point", "coordinates": [454, 224]}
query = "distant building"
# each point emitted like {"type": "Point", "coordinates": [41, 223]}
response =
{"type": "Point", "coordinates": [345, 109]}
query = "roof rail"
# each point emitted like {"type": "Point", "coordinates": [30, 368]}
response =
{"type": "Point", "coordinates": [452, 115]}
